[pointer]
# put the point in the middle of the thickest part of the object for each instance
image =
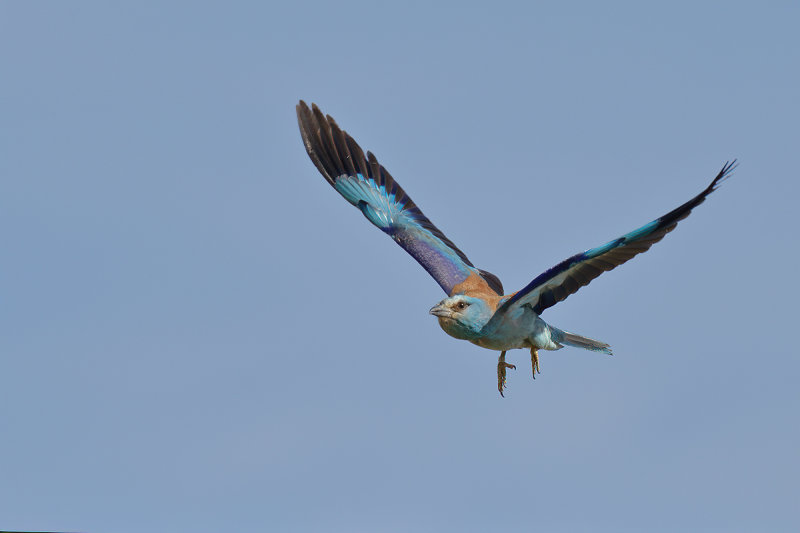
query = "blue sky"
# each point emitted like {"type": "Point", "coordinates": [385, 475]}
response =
{"type": "Point", "coordinates": [199, 335]}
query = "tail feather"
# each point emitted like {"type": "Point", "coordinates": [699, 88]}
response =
{"type": "Point", "coordinates": [570, 339]}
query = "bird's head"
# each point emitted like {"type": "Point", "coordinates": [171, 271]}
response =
{"type": "Point", "coordinates": [462, 316]}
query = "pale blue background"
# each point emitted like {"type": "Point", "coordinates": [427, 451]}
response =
{"type": "Point", "coordinates": [199, 335]}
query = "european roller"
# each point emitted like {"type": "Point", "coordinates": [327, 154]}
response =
{"type": "Point", "coordinates": [476, 308]}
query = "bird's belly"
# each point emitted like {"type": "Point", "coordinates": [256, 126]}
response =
{"type": "Point", "coordinates": [522, 330]}
{"type": "Point", "coordinates": [494, 343]}
{"type": "Point", "coordinates": [512, 333]}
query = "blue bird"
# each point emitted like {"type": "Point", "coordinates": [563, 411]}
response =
{"type": "Point", "coordinates": [476, 309]}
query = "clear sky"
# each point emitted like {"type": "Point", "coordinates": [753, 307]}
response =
{"type": "Point", "coordinates": [197, 334]}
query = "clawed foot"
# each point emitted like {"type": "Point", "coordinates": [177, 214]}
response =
{"type": "Point", "coordinates": [535, 362]}
{"type": "Point", "coordinates": [501, 372]}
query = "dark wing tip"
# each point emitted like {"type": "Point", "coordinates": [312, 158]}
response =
{"type": "Point", "coordinates": [311, 132]}
{"type": "Point", "coordinates": [326, 144]}
{"type": "Point", "coordinates": [724, 174]}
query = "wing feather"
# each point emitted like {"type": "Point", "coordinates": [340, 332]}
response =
{"type": "Point", "coordinates": [363, 182]}
{"type": "Point", "coordinates": [567, 277]}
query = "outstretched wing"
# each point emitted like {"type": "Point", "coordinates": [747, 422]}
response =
{"type": "Point", "coordinates": [568, 276]}
{"type": "Point", "coordinates": [367, 185]}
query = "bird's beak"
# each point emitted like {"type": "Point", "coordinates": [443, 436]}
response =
{"type": "Point", "coordinates": [439, 310]}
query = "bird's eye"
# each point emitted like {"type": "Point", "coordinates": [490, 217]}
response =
{"type": "Point", "coordinates": [462, 305]}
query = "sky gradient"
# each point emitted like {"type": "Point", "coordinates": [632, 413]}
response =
{"type": "Point", "coordinates": [198, 335]}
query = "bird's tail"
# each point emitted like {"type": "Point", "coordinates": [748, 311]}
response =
{"type": "Point", "coordinates": [570, 339]}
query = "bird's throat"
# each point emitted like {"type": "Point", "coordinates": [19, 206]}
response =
{"type": "Point", "coordinates": [457, 329]}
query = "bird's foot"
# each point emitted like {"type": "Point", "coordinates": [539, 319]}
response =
{"type": "Point", "coordinates": [535, 362]}
{"type": "Point", "coordinates": [501, 372]}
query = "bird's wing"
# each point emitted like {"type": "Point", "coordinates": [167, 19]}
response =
{"type": "Point", "coordinates": [568, 276]}
{"type": "Point", "coordinates": [367, 185]}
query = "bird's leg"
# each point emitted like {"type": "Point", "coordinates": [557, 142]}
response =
{"type": "Point", "coordinates": [535, 362]}
{"type": "Point", "coordinates": [501, 371]}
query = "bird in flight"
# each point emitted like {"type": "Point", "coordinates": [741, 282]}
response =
{"type": "Point", "coordinates": [476, 308]}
